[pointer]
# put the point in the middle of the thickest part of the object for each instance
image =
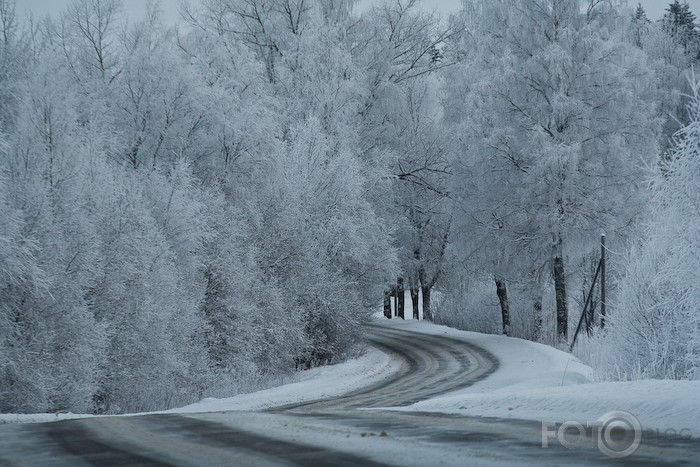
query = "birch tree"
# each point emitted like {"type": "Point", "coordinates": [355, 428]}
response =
{"type": "Point", "coordinates": [557, 120]}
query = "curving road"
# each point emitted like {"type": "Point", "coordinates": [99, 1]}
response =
{"type": "Point", "coordinates": [431, 365]}
{"type": "Point", "coordinates": [355, 429]}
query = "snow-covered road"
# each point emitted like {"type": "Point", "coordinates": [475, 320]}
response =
{"type": "Point", "coordinates": [412, 401]}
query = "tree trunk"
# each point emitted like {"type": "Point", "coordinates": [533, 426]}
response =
{"type": "Point", "coordinates": [427, 312]}
{"type": "Point", "coordinates": [401, 298]}
{"type": "Point", "coordinates": [415, 286]}
{"type": "Point", "coordinates": [387, 304]}
{"type": "Point", "coordinates": [560, 294]}
{"type": "Point", "coordinates": [535, 288]}
{"type": "Point", "coordinates": [414, 300]}
{"type": "Point", "coordinates": [537, 310]}
{"type": "Point", "coordinates": [503, 299]}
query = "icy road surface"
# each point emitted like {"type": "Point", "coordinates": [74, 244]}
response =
{"type": "Point", "coordinates": [356, 428]}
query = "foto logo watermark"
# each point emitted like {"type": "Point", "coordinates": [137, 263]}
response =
{"type": "Point", "coordinates": [616, 434]}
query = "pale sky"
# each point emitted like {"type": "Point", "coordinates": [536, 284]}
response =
{"type": "Point", "coordinates": [135, 8]}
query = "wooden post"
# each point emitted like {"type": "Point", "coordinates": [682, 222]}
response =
{"type": "Point", "coordinates": [602, 281]}
{"type": "Point", "coordinates": [585, 307]}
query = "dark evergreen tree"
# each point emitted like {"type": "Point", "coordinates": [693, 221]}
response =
{"type": "Point", "coordinates": [640, 24]}
{"type": "Point", "coordinates": [679, 22]}
{"type": "Point", "coordinates": [640, 15]}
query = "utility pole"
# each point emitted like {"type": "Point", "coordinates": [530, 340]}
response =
{"type": "Point", "coordinates": [602, 281]}
{"type": "Point", "coordinates": [600, 271]}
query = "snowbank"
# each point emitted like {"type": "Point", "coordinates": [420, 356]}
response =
{"type": "Point", "coordinates": [318, 383]}
{"type": "Point", "coordinates": [537, 382]}
{"type": "Point", "coordinates": [39, 417]}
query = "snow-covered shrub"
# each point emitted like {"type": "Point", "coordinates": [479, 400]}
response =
{"type": "Point", "coordinates": [655, 328]}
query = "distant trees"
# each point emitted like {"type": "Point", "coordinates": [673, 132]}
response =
{"type": "Point", "coordinates": [401, 120]}
{"type": "Point", "coordinates": [640, 25]}
{"type": "Point", "coordinates": [672, 47]}
{"type": "Point", "coordinates": [679, 23]}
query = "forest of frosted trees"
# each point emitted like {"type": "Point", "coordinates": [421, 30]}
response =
{"type": "Point", "coordinates": [190, 211]}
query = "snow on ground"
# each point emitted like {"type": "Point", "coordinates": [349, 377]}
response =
{"type": "Point", "coordinates": [538, 382]}
{"type": "Point", "coordinates": [318, 383]}
{"type": "Point", "coordinates": [534, 382]}
{"type": "Point", "coordinates": [38, 417]}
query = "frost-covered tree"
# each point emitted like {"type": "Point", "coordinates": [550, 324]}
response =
{"type": "Point", "coordinates": [555, 121]}
{"type": "Point", "coordinates": [10, 58]}
{"type": "Point", "coordinates": [639, 25]}
{"type": "Point", "coordinates": [421, 190]}
{"type": "Point", "coordinates": [58, 344]}
{"type": "Point", "coordinates": [20, 279]}
{"type": "Point", "coordinates": [671, 64]}
{"type": "Point", "coordinates": [87, 33]}
{"type": "Point", "coordinates": [185, 211]}
{"type": "Point", "coordinates": [323, 242]}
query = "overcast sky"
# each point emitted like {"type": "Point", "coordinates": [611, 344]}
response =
{"type": "Point", "coordinates": [135, 8]}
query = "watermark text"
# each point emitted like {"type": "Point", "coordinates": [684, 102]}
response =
{"type": "Point", "coordinates": [616, 434]}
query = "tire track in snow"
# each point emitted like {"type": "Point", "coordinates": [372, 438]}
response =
{"type": "Point", "coordinates": [431, 365]}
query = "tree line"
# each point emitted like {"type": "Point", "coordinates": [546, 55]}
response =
{"type": "Point", "coordinates": [186, 209]}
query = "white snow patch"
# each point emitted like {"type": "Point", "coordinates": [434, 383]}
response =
{"type": "Point", "coordinates": [537, 382]}
{"type": "Point", "coordinates": [39, 417]}
{"type": "Point", "coordinates": [318, 383]}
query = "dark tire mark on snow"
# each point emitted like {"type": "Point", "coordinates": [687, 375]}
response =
{"type": "Point", "coordinates": [77, 439]}
{"type": "Point", "coordinates": [224, 436]}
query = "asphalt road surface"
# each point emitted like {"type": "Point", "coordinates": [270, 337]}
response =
{"type": "Point", "coordinates": [355, 429]}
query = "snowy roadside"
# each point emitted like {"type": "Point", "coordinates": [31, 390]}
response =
{"type": "Point", "coordinates": [537, 382]}
{"type": "Point", "coordinates": [318, 383]}
{"type": "Point", "coordinates": [39, 417]}
{"type": "Point", "coordinates": [533, 381]}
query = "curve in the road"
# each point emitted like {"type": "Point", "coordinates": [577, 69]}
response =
{"type": "Point", "coordinates": [431, 365]}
